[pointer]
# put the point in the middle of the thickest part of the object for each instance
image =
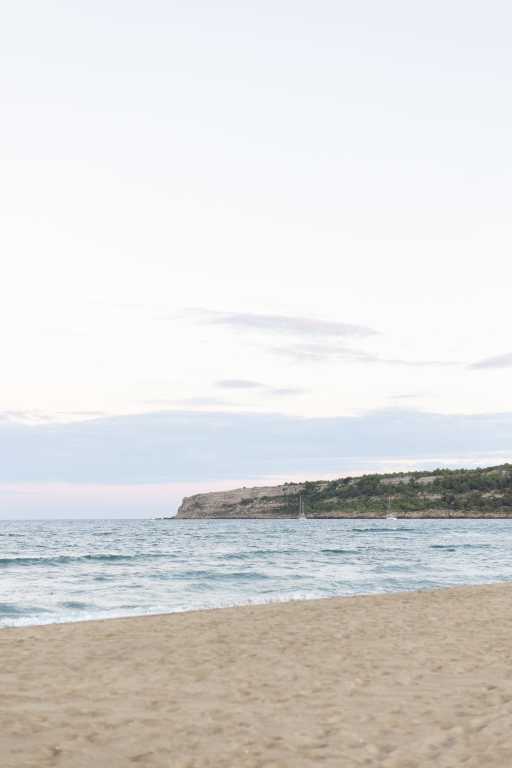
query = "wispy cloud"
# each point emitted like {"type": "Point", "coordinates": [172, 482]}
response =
{"type": "Point", "coordinates": [305, 339]}
{"type": "Point", "coordinates": [409, 396]}
{"type": "Point", "coordinates": [33, 416]}
{"type": "Point", "coordinates": [284, 324]}
{"type": "Point", "coordinates": [24, 416]}
{"type": "Point", "coordinates": [286, 391]}
{"type": "Point", "coordinates": [321, 352]}
{"type": "Point", "coordinates": [499, 361]}
{"type": "Point", "coordinates": [247, 384]}
{"type": "Point", "coordinates": [239, 384]}
{"type": "Point", "coordinates": [328, 352]}
{"type": "Point", "coordinates": [192, 402]}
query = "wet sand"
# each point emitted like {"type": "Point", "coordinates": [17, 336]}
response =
{"type": "Point", "coordinates": [393, 681]}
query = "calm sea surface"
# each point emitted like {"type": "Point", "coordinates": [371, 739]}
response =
{"type": "Point", "coordinates": [67, 571]}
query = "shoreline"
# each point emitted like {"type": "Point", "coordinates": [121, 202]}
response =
{"type": "Point", "coordinates": [253, 604]}
{"type": "Point", "coordinates": [400, 679]}
{"type": "Point", "coordinates": [344, 517]}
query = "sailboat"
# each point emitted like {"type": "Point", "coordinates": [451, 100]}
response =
{"type": "Point", "coordinates": [390, 515]}
{"type": "Point", "coordinates": [302, 514]}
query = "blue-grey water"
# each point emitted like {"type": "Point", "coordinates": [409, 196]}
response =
{"type": "Point", "coordinates": [59, 571]}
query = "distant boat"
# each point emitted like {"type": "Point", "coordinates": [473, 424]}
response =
{"type": "Point", "coordinates": [390, 515]}
{"type": "Point", "coordinates": [302, 514]}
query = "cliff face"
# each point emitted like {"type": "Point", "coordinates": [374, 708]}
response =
{"type": "Point", "coordinates": [262, 502]}
{"type": "Point", "coordinates": [443, 494]}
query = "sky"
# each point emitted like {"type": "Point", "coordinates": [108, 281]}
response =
{"type": "Point", "coordinates": [249, 242]}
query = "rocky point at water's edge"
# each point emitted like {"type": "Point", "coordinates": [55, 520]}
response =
{"type": "Point", "coordinates": [260, 502]}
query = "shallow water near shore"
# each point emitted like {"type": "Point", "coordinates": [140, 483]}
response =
{"type": "Point", "coordinates": [58, 571]}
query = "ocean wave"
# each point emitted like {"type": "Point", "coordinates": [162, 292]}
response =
{"type": "Point", "coordinates": [189, 574]}
{"type": "Point", "coordinates": [454, 546]}
{"type": "Point", "coordinates": [212, 575]}
{"type": "Point", "coordinates": [445, 547]}
{"type": "Point", "coordinates": [251, 553]}
{"type": "Point", "coordinates": [13, 610]}
{"type": "Point", "coordinates": [239, 575]}
{"type": "Point", "coordinates": [393, 567]}
{"type": "Point", "coordinates": [340, 551]}
{"type": "Point", "coordinates": [387, 529]}
{"type": "Point", "coordinates": [61, 560]}
{"type": "Point", "coordinates": [57, 560]}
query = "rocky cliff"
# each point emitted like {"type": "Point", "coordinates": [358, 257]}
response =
{"type": "Point", "coordinates": [442, 493]}
{"type": "Point", "coordinates": [262, 502]}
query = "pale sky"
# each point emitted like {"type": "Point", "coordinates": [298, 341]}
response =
{"type": "Point", "coordinates": [272, 213]}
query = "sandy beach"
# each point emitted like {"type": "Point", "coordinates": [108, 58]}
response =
{"type": "Point", "coordinates": [404, 680]}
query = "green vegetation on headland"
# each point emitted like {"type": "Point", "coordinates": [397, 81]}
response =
{"type": "Point", "coordinates": [440, 493]}
{"type": "Point", "coordinates": [457, 493]}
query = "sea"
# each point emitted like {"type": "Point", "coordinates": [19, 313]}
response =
{"type": "Point", "coordinates": [61, 571]}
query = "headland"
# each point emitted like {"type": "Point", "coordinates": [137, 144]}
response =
{"type": "Point", "coordinates": [443, 493]}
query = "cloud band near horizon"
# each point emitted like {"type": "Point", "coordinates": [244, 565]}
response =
{"type": "Point", "coordinates": [201, 447]}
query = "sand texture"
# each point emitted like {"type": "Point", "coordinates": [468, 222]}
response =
{"type": "Point", "coordinates": [415, 679]}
